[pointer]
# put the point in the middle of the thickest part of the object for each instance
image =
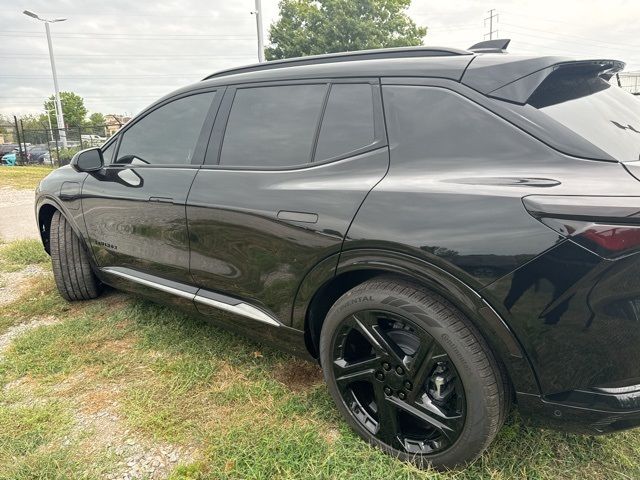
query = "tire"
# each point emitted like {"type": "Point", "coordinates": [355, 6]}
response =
{"type": "Point", "coordinates": [71, 268]}
{"type": "Point", "coordinates": [412, 375]}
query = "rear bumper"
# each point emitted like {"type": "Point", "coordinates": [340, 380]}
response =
{"type": "Point", "coordinates": [583, 411]}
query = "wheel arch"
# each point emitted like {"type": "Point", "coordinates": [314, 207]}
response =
{"type": "Point", "coordinates": [45, 214]}
{"type": "Point", "coordinates": [333, 277]}
{"type": "Point", "coordinates": [46, 207]}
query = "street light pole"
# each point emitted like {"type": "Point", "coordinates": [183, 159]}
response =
{"type": "Point", "coordinates": [58, 105]}
{"type": "Point", "coordinates": [59, 115]}
{"type": "Point", "coordinates": [258, 13]}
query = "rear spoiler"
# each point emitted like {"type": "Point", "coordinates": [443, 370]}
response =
{"type": "Point", "coordinates": [509, 80]}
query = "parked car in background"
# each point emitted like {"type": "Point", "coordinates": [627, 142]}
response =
{"type": "Point", "coordinates": [8, 148]}
{"type": "Point", "coordinates": [446, 231]}
{"type": "Point", "coordinates": [10, 159]}
{"type": "Point", "coordinates": [38, 154]}
{"type": "Point", "coordinates": [92, 140]}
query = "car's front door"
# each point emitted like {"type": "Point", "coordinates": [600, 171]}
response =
{"type": "Point", "coordinates": [286, 170]}
{"type": "Point", "coordinates": [134, 208]}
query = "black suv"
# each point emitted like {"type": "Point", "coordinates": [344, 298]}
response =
{"type": "Point", "coordinates": [445, 231]}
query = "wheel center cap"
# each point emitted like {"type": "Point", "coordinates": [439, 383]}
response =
{"type": "Point", "coordinates": [395, 381]}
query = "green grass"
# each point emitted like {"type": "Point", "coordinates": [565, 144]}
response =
{"type": "Point", "coordinates": [22, 253]}
{"type": "Point", "coordinates": [248, 412]}
{"type": "Point", "coordinates": [23, 177]}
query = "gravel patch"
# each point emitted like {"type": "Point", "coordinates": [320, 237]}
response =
{"type": "Point", "coordinates": [15, 331]}
{"type": "Point", "coordinates": [12, 196]}
{"type": "Point", "coordinates": [135, 457]}
{"type": "Point", "coordinates": [12, 284]}
{"type": "Point", "coordinates": [18, 219]}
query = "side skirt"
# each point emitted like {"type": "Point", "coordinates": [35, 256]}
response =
{"type": "Point", "coordinates": [195, 294]}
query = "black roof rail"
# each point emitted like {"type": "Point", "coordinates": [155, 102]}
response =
{"type": "Point", "coordinates": [401, 52]}
{"type": "Point", "coordinates": [499, 45]}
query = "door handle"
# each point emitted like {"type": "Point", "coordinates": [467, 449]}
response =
{"type": "Point", "coordinates": [304, 217]}
{"type": "Point", "coordinates": [161, 199]}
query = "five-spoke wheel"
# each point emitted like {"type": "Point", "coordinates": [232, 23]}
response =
{"type": "Point", "coordinates": [411, 374]}
{"type": "Point", "coordinates": [398, 382]}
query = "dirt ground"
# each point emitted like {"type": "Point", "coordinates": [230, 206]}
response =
{"type": "Point", "coordinates": [17, 219]}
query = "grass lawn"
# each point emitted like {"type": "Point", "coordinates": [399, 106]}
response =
{"type": "Point", "coordinates": [26, 177]}
{"type": "Point", "coordinates": [98, 384]}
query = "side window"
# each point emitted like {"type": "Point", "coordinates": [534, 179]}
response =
{"type": "Point", "coordinates": [348, 121]}
{"type": "Point", "coordinates": [167, 135]}
{"type": "Point", "coordinates": [107, 153]}
{"type": "Point", "coordinates": [272, 126]}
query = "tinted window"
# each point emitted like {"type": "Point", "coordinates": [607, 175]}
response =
{"type": "Point", "coordinates": [167, 135]}
{"type": "Point", "coordinates": [437, 129]}
{"type": "Point", "coordinates": [605, 115]}
{"type": "Point", "coordinates": [272, 126]}
{"type": "Point", "coordinates": [107, 153]}
{"type": "Point", "coordinates": [348, 121]}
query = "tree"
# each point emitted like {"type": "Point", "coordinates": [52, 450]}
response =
{"type": "Point", "coordinates": [97, 119]}
{"type": "Point", "coordinates": [73, 109]}
{"type": "Point", "coordinates": [34, 122]}
{"type": "Point", "coordinates": [96, 124]}
{"type": "Point", "coordinates": [313, 27]}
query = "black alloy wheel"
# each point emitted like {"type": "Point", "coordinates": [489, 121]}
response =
{"type": "Point", "coordinates": [398, 382]}
{"type": "Point", "coordinates": [411, 374]}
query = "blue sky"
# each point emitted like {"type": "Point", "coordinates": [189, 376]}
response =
{"type": "Point", "coordinates": [122, 54]}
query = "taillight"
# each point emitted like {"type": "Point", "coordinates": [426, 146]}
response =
{"type": "Point", "coordinates": [610, 240]}
{"type": "Point", "coordinates": [608, 226]}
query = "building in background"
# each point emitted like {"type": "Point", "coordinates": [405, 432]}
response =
{"type": "Point", "coordinates": [630, 81]}
{"type": "Point", "coordinates": [114, 122]}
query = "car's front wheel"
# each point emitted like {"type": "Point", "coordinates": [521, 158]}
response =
{"type": "Point", "coordinates": [411, 374]}
{"type": "Point", "coordinates": [71, 268]}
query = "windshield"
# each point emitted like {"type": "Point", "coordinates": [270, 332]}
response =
{"type": "Point", "coordinates": [603, 114]}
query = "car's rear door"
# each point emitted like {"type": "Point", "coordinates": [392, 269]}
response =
{"type": "Point", "coordinates": [287, 168]}
{"type": "Point", "coordinates": [134, 208]}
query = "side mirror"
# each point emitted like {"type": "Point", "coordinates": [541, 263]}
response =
{"type": "Point", "coordinates": [89, 160]}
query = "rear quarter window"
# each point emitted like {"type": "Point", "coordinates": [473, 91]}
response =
{"type": "Point", "coordinates": [601, 113]}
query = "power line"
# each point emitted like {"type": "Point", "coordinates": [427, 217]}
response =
{"type": "Point", "coordinates": [489, 19]}
{"type": "Point", "coordinates": [538, 17]}
{"type": "Point", "coordinates": [121, 15]}
{"type": "Point", "coordinates": [32, 34]}
{"type": "Point", "coordinates": [98, 76]}
{"type": "Point", "coordinates": [585, 47]}
{"type": "Point", "coordinates": [537, 47]}
{"type": "Point", "coordinates": [115, 55]}
{"type": "Point", "coordinates": [85, 98]}
{"type": "Point", "coordinates": [581, 38]}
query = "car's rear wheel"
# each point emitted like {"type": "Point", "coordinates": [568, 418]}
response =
{"type": "Point", "coordinates": [411, 374]}
{"type": "Point", "coordinates": [71, 268]}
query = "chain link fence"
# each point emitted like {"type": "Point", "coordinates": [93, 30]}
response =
{"type": "Point", "coordinates": [28, 146]}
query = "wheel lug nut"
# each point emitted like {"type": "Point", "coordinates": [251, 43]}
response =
{"type": "Point", "coordinates": [386, 366]}
{"type": "Point", "coordinates": [380, 375]}
{"type": "Point", "coordinates": [399, 370]}
{"type": "Point", "coordinates": [402, 395]}
{"type": "Point", "coordinates": [408, 385]}
{"type": "Point", "coordinates": [387, 391]}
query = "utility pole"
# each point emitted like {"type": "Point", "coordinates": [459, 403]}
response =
{"type": "Point", "coordinates": [489, 19]}
{"type": "Point", "coordinates": [258, 14]}
{"type": "Point", "coordinates": [59, 116]}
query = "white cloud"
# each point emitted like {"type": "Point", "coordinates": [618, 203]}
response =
{"type": "Point", "coordinates": [121, 55]}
